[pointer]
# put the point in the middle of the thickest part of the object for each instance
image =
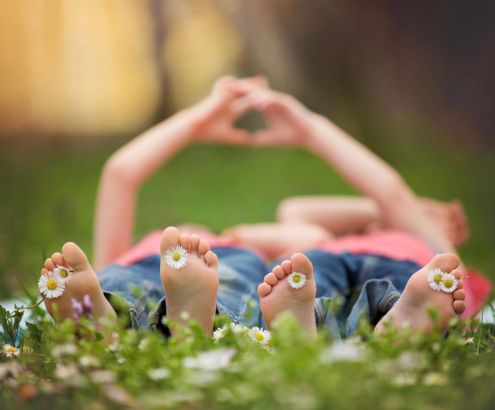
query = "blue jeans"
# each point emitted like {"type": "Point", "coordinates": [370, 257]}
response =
{"type": "Point", "coordinates": [366, 286]}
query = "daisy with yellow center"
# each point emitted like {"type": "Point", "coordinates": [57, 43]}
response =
{"type": "Point", "coordinates": [296, 280]}
{"type": "Point", "coordinates": [449, 283]}
{"type": "Point", "coordinates": [63, 273]}
{"type": "Point", "coordinates": [51, 286]}
{"type": "Point", "coordinates": [176, 257]}
{"type": "Point", "coordinates": [434, 278]}
{"type": "Point", "coordinates": [260, 335]}
{"type": "Point", "coordinates": [11, 351]}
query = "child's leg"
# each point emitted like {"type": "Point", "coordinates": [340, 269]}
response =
{"type": "Point", "coordinates": [275, 240]}
{"type": "Point", "coordinates": [343, 215]}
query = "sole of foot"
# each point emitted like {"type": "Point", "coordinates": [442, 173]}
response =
{"type": "Point", "coordinates": [412, 308]}
{"type": "Point", "coordinates": [277, 296]}
{"type": "Point", "coordinates": [83, 283]}
{"type": "Point", "coordinates": [193, 288]}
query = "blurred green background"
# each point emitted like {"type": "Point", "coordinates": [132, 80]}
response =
{"type": "Point", "coordinates": [80, 78]}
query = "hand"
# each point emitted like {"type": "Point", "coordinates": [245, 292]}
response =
{"type": "Point", "coordinates": [215, 116]}
{"type": "Point", "coordinates": [288, 121]}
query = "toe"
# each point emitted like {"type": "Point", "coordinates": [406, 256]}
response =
{"type": "Point", "coordinates": [194, 242]}
{"type": "Point", "coordinates": [300, 263]}
{"type": "Point", "coordinates": [459, 294]}
{"type": "Point", "coordinates": [287, 267]}
{"type": "Point", "coordinates": [459, 306]}
{"type": "Point", "coordinates": [457, 274]}
{"type": "Point", "coordinates": [279, 272]}
{"type": "Point", "coordinates": [58, 259]}
{"type": "Point", "coordinates": [75, 257]}
{"type": "Point", "coordinates": [170, 238]}
{"type": "Point", "coordinates": [211, 259]}
{"type": "Point", "coordinates": [49, 264]}
{"type": "Point", "coordinates": [271, 279]}
{"type": "Point", "coordinates": [203, 246]}
{"type": "Point", "coordinates": [264, 289]}
{"type": "Point", "coordinates": [447, 262]}
{"type": "Point", "coordinates": [185, 241]}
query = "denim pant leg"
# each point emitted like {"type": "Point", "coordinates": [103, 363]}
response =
{"type": "Point", "coordinates": [351, 288]}
{"type": "Point", "coordinates": [240, 271]}
{"type": "Point", "coordinates": [138, 286]}
{"type": "Point", "coordinates": [379, 284]}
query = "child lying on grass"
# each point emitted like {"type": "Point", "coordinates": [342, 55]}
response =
{"type": "Point", "coordinates": [387, 276]}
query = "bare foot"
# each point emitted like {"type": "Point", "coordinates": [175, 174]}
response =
{"type": "Point", "coordinates": [82, 284]}
{"type": "Point", "coordinates": [412, 307]}
{"type": "Point", "coordinates": [450, 216]}
{"type": "Point", "coordinates": [192, 288]}
{"type": "Point", "coordinates": [277, 296]}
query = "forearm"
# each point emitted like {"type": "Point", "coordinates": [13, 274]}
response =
{"type": "Point", "coordinates": [364, 170]}
{"type": "Point", "coordinates": [144, 155]}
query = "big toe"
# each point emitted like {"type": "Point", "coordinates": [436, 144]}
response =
{"type": "Point", "coordinates": [75, 257]}
{"type": "Point", "coordinates": [301, 264]}
{"type": "Point", "coordinates": [170, 238]}
{"type": "Point", "coordinates": [446, 262]}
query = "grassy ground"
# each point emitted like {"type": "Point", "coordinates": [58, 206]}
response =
{"type": "Point", "coordinates": [48, 193]}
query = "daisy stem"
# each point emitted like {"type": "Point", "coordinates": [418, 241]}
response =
{"type": "Point", "coordinates": [18, 309]}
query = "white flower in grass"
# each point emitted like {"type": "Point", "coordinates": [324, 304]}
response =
{"type": "Point", "coordinates": [348, 350]}
{"type": "Point", "coordinates": [434, 278]}
{"type": "Point", "coordinates": [11, 351]}
{"type": "Point", "coordinates": [237, 328]}
{"type": "Point", "coordinates": [63, 273]}
{"type": "Point", "coordinates": [176, 257]}
{"type": "Point", "coordinates": [260, 335]}
{"type": "Point", "coordinates": [51, 286]}
{"type": "Point", "coordinates": [296, 280]}
{"type": "Point", "coordinates": [449, 283]}
{"type": "Point", "coordinates": [212, 360]}
{"type": "Point", "coordinates": [220, 333]}
{"type": "Point", "coordinates": [159, 374]}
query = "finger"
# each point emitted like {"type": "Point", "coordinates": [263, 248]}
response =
{"type": "Point", "coordinates": [265, 137]}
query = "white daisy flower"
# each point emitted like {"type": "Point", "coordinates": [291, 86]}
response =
{"type": "Point", "coordinates": [296, 280]}
{"type": "Point", "coordinates": [11, 351]}
{"type": "Point", "coordinates": [237, 328]}
{"type": "Point", "coordinates": [434, 278]}
{"type": "Point", "coordinates": [260, 335]}
{"type": "Point", "coordinates": [63, 273]}
{"type": "Point", "coordinates": [219, 333]}
{"type": "Point", "coordinates": [51, 286]}
{"type": "Point", "coordinates": [448, 283]}
{"type": "Point", "coordinates": [159, 374]}
{"type": "Point", "coordinates": [176, 257]}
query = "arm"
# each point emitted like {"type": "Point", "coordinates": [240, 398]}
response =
{"type": "Point", "coordinates": [290, 123]}
{"type": "Point", "coordinates": [127, 169]}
